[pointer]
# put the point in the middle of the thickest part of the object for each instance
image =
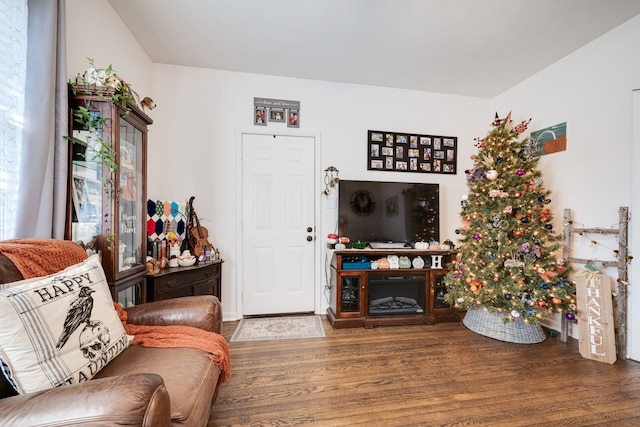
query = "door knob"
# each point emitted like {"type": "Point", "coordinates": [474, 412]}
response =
{"type": "Point", "coordinates": [309, 238]}
{"type": "Point", "coordinates": [309, 229]}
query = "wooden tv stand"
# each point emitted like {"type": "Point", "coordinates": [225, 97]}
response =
{"type": "Point", "coordinates": [356, 288]}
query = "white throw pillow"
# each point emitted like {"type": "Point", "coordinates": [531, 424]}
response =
{"type": "Point", "coordinates": [60, 329]}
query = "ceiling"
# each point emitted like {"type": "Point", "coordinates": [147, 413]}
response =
{"type": "Point", "coordinates": [475, 48]}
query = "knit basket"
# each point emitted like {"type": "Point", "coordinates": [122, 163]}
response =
{"type": "Point", "coordinates": [492, 325]}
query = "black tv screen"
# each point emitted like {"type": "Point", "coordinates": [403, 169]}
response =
{"type": "Point", "coordinates": [391, 212]}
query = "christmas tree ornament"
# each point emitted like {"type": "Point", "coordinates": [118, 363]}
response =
{"type": "Point", "coordinates": [508, 296]}
{"type": "Point", "coordinates": [492, 174]}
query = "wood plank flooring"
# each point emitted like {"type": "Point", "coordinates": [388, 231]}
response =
{"type": "Point", "coordinates": [441, 375]}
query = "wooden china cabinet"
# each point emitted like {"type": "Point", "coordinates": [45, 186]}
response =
{"type": "Point", "coordinates": [106, 206]}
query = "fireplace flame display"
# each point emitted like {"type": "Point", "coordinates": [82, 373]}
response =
{"type": "Point", "coordinates": [395, 305]}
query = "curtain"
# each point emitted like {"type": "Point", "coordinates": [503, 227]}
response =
{"type": "Point", "coordinates": [43, 170]}
{"type": "Point", "coordinates": [13, 66]}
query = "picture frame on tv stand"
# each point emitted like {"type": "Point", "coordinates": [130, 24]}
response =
{"type": "Point", "coordinates": [411, 152]}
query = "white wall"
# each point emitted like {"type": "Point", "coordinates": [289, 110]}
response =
{"type": "Point", "coordinates": [201, 111]}
{"type": "Point", "coordinates": [94, 30]}
{"type": "Point", "coordinates": [591, 90]}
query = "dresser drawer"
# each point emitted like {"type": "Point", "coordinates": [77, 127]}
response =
{"type": "Point", "coordinates": [203, 279]}
{"type": "Point", "coordinates": [172, 282]}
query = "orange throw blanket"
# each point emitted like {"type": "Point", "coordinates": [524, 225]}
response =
{"type": "Point", "coordinates": [42, 257]}
{"type": "Point", "coordinates": [180, 336]}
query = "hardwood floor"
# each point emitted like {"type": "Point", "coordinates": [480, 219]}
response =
{"type": "Point", "coordinates": [442, 375]}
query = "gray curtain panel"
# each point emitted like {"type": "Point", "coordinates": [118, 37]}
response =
{"type": "Point", "coordinates": [43, 180]}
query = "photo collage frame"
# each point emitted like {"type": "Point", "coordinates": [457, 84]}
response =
{"type": "Point", "coordinates": [410, 152]}
{"type": "Point", "coordinates": [267, 110]}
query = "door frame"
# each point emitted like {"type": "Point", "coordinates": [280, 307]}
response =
{"type": "Point", "coordinates": [317, 143]}
{"type": "Point", "coordinates": [633, 295]}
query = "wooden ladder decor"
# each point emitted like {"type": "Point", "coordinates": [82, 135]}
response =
{"type": "Point", "coordinates": [620, 300]}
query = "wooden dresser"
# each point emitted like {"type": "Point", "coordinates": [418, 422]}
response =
{"type": "Point", "coordinates": [200, 279]}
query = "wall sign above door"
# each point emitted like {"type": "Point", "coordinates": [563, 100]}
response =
{"type": "Point", "coordinates": [410, 152]}
{"type": "Point", "coordinates": [276, 111]}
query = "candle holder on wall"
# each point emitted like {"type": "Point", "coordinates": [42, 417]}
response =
{"type": "Point", "coordinates": [330, 179]}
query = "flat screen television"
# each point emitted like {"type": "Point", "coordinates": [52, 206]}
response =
{"type": "Point", "coordinates": [388, 214]}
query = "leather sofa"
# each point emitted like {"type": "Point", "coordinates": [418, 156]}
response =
{"type": "Point", "coordinates": [143, 386]}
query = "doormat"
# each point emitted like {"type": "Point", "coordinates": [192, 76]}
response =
{"type": "Point", "coordinates": [278, 328]}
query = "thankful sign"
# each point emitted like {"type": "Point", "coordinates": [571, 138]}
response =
{"type": "Point", "coordinates": [595, 316]}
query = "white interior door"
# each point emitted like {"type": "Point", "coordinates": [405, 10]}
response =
{"type": "Point", "coordinates": [278, 226]}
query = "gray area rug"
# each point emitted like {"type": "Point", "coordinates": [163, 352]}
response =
{"type": "Point", "coordinates": [278, 328]}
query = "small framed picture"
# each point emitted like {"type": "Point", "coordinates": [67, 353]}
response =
{"type": "Point", "coordinates": [388, 162]}
{"type": "Point", "coordinates": [389, 140]}
{"type": "Point", "coordinates": [260, 116]}
{"type": "Point", "coordinates": [276, 115]}
{"type": "Point", "coordinates": [293, 119]}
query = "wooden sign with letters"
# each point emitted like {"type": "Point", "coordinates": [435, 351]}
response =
{"type": "Point", "coordinates": [597, 337]}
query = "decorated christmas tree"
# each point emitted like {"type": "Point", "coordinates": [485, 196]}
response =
{"type": "Point", "coordinates": [507, 254]}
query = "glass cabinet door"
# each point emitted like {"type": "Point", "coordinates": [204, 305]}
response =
{"type": "Point", "coordinates": [439, 289]}
{"type": "Point", "coordinates": [130, 207]}
{"type": "Point", "coordinates": [86, 185]}
{"type": "Point", "coordinates": [350, 296]}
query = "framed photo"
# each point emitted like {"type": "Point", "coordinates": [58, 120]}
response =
{"type": "Point", "coordinates": [276, 115]}
{"type": "Point", "coordinates": [260, 116]}
{"type": "Point", "coordinates": [402, 152]}
{"type": "Point", "coordinates": [293, 118]}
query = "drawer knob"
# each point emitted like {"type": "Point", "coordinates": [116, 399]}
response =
{"type": "Point", "coordinates": [172, 283]}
